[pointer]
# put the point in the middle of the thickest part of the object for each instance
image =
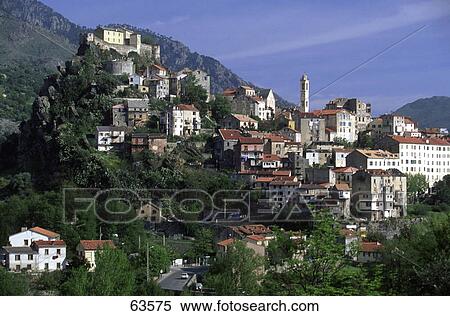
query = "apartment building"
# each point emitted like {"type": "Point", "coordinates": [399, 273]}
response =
{"type": "Point", "coordinates": [373, 159]}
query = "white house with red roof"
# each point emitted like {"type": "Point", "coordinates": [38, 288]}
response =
{"type": "Point", "coordinates": [87, 250]}
{"type": "Point", "coordinates": [35, 249]}
{"type": "Point", "coordinates": [27, 236]}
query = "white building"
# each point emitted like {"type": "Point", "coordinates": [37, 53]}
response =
{"type": "Point", "coordinates": [339, 156]}
{"type": "Point", "coordinates": [27, 236]}
{"type": "Point", "coordinates": [427, 156]}
{"type": "Point", "coordinates": [87, 250]}
{"type": "Point", "coordinates": [373, 159]}
{"type": "Point", "coordinates": [283, 190]}
{"type": "Point", "coordinates": [341, 122]}
{"type": "Point", "coordinates": [36, 249]}
{"type": "Point", "coordinates": [304, 94]}
{"type": "Point", "coordinates": [379, 194]}
{"type": "Point", "coordinates": [181, 120]}
{"type": "Point", "coordinates": [110, 137]}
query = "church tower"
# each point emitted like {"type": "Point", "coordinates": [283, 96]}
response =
{"type": "Point", "coordinates": [304, 94]}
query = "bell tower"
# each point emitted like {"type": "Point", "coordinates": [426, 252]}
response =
{"type": "Point", "coordinates": [304, 94]}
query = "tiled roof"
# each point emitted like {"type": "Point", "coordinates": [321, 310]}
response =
{"type": "Point", "coordinates": [229, 134]}
{"type": "Point", "coordinates": [19, 250]}
{"type": "Point", "coordinates": [367, 246]}
{"type": "Point", "coordinates": [250, 140]}
{"type": "Point", "coordinates": [243, 118]}
{"type": "Point", "coordinates": [327, 112]}
{"type": "Point", "coordinates": [44, 232]}
{"type": "Point", "coordinates": [270, 157]}
{"type": "Point", "coordinates": [256, 237]}
{"type": "Point", "coordinates": [345, 170]}
{"type": "Point", "coordinates": [187, 107]}
{"type": "Point", "coordinates": [96, 244]}
{"type": "Point", "coordinates": [377, 153]}
{"type": "Point", "coordinates": [420, 141]}
{"type": "Point", "coordinates": [159, 67]}
{"type": "Point", "coordinates": [264, 179]}
{"type": "Point", "coordinates": [49, 243]}
{"type": "Point", "coordinates": [226, 242]}
{"type": "Point", "coordinates": [342, 187]}
{"type": "Point", "coordinates": [254, 229]}
{"type": "Point", "coordinates": [274, 138]}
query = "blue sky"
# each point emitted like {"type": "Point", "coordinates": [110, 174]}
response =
{"type": "Point", "coordinates": [271, 43]}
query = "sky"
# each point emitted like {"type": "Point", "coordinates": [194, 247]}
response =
{"type": "Point", "coordinates": [385, 52]}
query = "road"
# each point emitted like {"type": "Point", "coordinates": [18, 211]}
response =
{"type": "Point", "coordinates": [172, 280]}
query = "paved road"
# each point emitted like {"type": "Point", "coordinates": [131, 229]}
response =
{"type": "Point", "coordinates": [172, 280]}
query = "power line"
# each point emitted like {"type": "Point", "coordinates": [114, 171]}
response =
{"type": "Point", "coordinates": [383, 51]}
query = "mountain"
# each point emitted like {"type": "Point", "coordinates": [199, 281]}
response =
{"type": "Point", "coordinates": [428, 112]}
{"type": "Point", "coordinates": [34, 38]}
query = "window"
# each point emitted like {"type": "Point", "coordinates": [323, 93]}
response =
{"type": "Point", "coordinates": [58, 266]}
{"type": "Point", "coordinates": [17, 257]}
{"type": "Point", "coordinates": [46, 252]}
{"type": "Point", "coordinates": [30, 257]}
{"type": "Point", "coordinates": [25, 242]}
{"type": "Point", "coordinates": [58, 251]}
{"type": "Point", "coordinates": [46, 266]}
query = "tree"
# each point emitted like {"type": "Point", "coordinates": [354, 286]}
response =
{"type": "Point", "coordinates": [78, 283]}
{"type": "Point", "coordinates": [364, 140]}
{"type": "Point", "coordinates": [417, 185]}
{"type": "Point", "coordinates": [13, 284]}
{"type": "Point", "coordinates": [113, 274]}
{"type": "Point", "coordinates": [203, 244]}
{"type": "Point", "coordinates": [220, 107]}
{"type": "Point", "coordinates": [418, 261]}
{"type": "Point", "coordinates": [442, 189]}
{"type": "Point", "coordinates": [192, 93]}
{"type": "Point", "coordinates": [237, 272]}
{"type": "Point", "coordinates": [318, 266]}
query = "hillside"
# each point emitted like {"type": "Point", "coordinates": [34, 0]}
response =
{"type": "Point", "coordinates": [30, 47]}
{"type": "Point", "coordinates": [428, 112]}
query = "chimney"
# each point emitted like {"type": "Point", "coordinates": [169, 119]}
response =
{"type": "Point", "coordinates": [23, 229]}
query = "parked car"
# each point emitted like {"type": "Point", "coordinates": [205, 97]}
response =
{"type": "Point", "coordinates": [184, 275]}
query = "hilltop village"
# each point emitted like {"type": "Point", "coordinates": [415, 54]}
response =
{"type": "Point", "coordinates": [295, 162]}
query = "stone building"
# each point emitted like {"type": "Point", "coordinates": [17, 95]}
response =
{"type": "Point", "coordinates": [379, 194]}
{"type": "Point", "coordinates": [361, 110]}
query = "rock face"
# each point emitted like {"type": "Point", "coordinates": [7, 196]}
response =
{"type": "Point", "coordinates": [174, 54]}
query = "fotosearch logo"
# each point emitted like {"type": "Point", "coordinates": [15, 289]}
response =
{"type": "Point", "coordinates": [118, 205]}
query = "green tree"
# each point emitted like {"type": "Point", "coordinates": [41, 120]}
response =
{"type": "Point", "coordinates": [442, 189]}
{"type": "Point", "coordinates": [78, 283]}
{"type": "Point", "coordinates": [13, 284]}
{"type": "Point", "coordinates": [113, 275]}
{"type": "Point", "coordinates": [418, 261]}
{"type": "Point", "coordinates": [220, 107]}
{"type": "Point", "coordinates": [319, 266]}
{"type": "Point", "coordinates": [237, 272]}
{"type": "Point", "coordinates": [204, 242]}
{"type": "Point", "coordinates": [194, 94]}
{"type": "Point", "coordinates": [417, 185]}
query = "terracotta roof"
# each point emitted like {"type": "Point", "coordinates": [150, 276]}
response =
{"type": "Point", "coordinates": [250, 140]}
{"type": "Point", "coordinates": [274, 138]}
{"type": "Point", "coordinates": [159, 67]}
{"type": "Point", "coordinates": [327, 112]}
{"type": "Point", "coordinates": [383, 173]}
{"type": "Point", "coordinates": [187, 107]}
{"type": "Point", "coordinates": [420, 141]}
{"type": "Point", "coordinates": [345, 170]}
{"type": "Point", "coordinates": [264, 179]}
{"type": "Point", "coordinates": [229, 134]}
{"type": "Point", "coordinates": [49, 243]}
{"type": "Point", "coordinates": [367, 246]}
{"type": "Point", "coordinates": [342, 150]}
{"type": "Point", "coordinates": [342, 187]}
{"type": "Point", "coordinates": [247, 87]}
{"type": "Point", "coordinates": [270, 157]}
{"type": "Point", "coordinates": [256, 237]}
{"type": "Point", "coordinates": [282, 173]}
{"type": "Point", "coordinates": [96, 244]}
{"type": "Point", "coordinates": [243, 118]}
{"type": "Point", "coordinates": [229, 92]}
{"type": "Point", "coordinates": [44, 232]}
{"type": "Point", "coordinates": [226, 242]}
{"type": "Point", "coordinates": [254, 229]}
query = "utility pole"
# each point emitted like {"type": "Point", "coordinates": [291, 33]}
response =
{"type": "Point", "coordinates": [148, 268]}
{"type": "Point", "coordinates": [139, 242]}
{"type": "Point", "coordinates": [164, 240]}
